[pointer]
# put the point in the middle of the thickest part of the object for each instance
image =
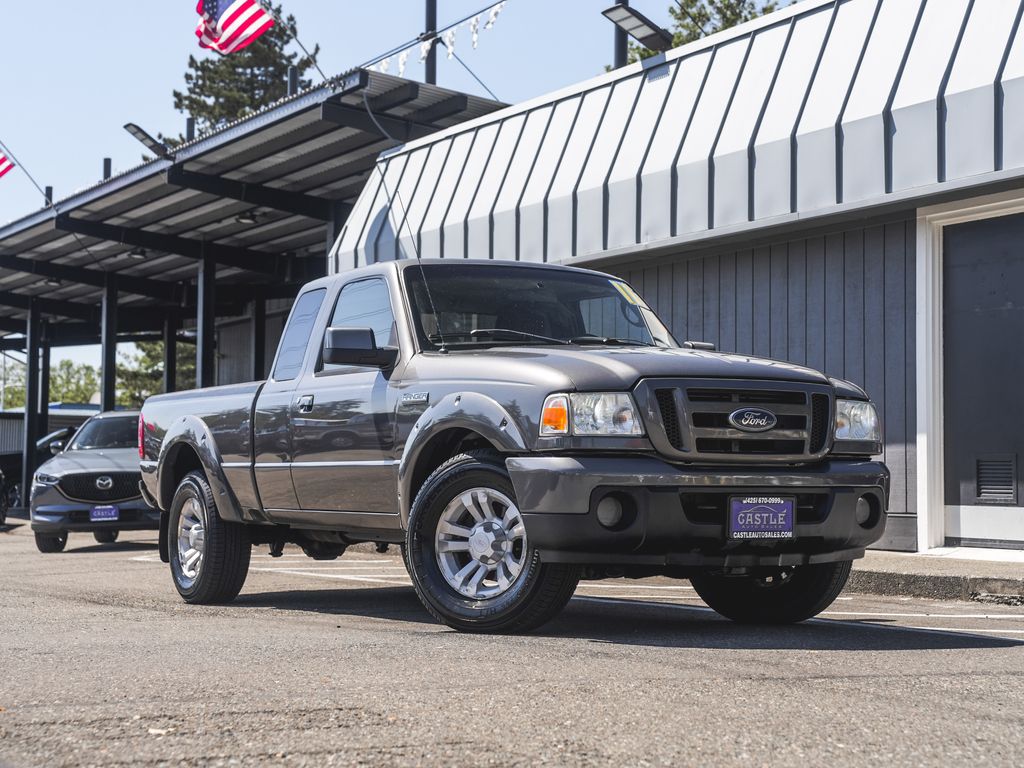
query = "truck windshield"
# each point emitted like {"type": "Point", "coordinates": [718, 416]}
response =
{"type": "Point", "coordinates": [115, 432]}
{"type": "Point", "coordinates": [491, 305]}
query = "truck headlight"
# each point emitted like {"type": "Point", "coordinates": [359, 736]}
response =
{"type": "Point", "coordinates": [589, 414]}
{"type": "Point", "coordinates": [44, 479]}
{"type": "Point", "coordinates": [857, 420]}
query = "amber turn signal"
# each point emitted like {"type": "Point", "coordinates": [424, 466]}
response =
{"type": "Point", "coordinates": [554, 419]}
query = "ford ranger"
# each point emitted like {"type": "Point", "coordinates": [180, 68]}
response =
{"type": "Point", "coordinates": [515, 428]}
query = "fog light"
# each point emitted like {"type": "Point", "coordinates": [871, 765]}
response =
{"type": "Point", "coordinates": [866, 513]}
{"type": "Point", "coordinates": [609, 512]}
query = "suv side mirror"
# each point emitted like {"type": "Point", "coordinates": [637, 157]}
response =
{"type": "Point", "coordinates": [56, 447]}
{"type": "Point", "coordinates": [356, 346]}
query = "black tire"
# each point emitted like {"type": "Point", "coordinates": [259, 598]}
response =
{"type": "Point", "coordinates": [226, 548]}
{"type": "Point", "coordinates": [106, 536]}
{"type": "Point", "coordinates": [787, 596]}
{"type": "Point", "coordinates": [536, 595]}
{"type": "Point", "coordinates": [51, 542]}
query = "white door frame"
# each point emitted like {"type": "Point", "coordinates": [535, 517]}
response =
{"type": "Point", "coordinates": [931, 517]}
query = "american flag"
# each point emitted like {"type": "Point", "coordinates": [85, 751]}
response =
{"type": "Point", "coordinates": [5, 164]}
{"type": "Point", "coordinates": [226, 26]}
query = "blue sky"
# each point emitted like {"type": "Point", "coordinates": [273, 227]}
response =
{"type": "Point", "coordinates": [62, 105]}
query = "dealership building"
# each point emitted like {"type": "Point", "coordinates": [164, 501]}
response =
{"type": "Point", "coordinates": [838, 184]}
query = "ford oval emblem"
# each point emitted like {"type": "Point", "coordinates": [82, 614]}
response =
{"type": "Point", "coordinates": [753, 419]}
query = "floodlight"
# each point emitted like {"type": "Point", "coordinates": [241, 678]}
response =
{"type": "Point", "coordinates": [639, 27]}
{"type": "Point", "coordinates": [157, 147]}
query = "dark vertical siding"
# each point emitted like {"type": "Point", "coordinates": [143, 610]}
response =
{"type": "Point", "coordinates": [842, 303]}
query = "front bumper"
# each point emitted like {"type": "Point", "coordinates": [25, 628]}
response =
{"type": "Point", "coordinates": [52, 512]}
{"type": "Point", "coordinates": [678, 514]}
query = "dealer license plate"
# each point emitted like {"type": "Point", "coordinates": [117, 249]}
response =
{"type": "Point", "coordinates": [104, 514]}
{"type": "Point", "coordinates": [761, 517]}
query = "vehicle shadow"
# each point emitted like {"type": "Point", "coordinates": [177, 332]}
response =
{"type": "Point", "coordinates": [118, 546]}
{"type": "Point", "coordinates": [618, 622]}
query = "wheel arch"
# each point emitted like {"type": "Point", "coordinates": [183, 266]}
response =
{"type": "Point", "coordinates": [459, 422]}
{"type": "Point", "coordinates": [189, 446]}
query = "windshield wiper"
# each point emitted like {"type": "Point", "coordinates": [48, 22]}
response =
{"type": "Point", "coordinates": [588, 339]}
{"type": "Point", "coordinates": [520, 334]}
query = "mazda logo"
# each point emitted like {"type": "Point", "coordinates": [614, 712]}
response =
{"type": "Point", "coordinates": [753, 419]}
{"type": "Point", "coordinates": [104, 482]}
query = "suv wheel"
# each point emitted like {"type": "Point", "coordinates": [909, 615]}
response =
{"type": "Point", "coordinates": [50, 543]}
{"type": "Point", "coordinates": [106, 536]}
{"type": "Point", "coordinates": [469, 557]}
{"type": "Point", "coordinates": [209, 557]}
{"type": "Point", "coordinates": [781, 596]}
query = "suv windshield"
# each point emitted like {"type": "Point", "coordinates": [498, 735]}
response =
{"type": "Point", "coordinates": [488, 304]}
{"type": "Point", "coordinates": [115, 432]}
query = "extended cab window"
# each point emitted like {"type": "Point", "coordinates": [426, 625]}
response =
{"type": "Point", "coordinates": [296, 335]}
{"type": "Point", "coordinates": [365, 304]}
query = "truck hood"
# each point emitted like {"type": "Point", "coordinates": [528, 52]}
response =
{"type": "Point", "coordinates": [98, 460]}
{"type": "Point", "coordinates": [620, 368]}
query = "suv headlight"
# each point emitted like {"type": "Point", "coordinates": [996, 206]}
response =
{"type": "Point", "coordinates": [44, 479]}
{"type": "Point", "coordinates": [588, 414]}
{"type": "Point", "coordinates": [857, 420]}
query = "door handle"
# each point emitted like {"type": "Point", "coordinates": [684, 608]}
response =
{"type": "Point", "coordinates": [305, 404]}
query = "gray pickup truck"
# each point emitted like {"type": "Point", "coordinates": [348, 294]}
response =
{"type": "Point", "coordinates": [515, 428]}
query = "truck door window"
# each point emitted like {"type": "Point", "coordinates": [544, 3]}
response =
{"type": "Point", "coordinates": [296, 335]}
{"type": "Point", "coordinates": [365, 304]}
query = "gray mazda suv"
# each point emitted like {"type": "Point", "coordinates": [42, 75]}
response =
{"type": "Point", "coordinates": [92, 484]}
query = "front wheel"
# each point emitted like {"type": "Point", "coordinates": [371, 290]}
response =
{"type": "Point", "coordinates": [105, 536]}
{"type": "Point", "coordinates": [469, 557]}
{"type": "Point", "coordinates": [209, 557]}
{"type": "Point", "coordinates": [51, 543]}
{"type": "Point", "coordinates": [775, 596]}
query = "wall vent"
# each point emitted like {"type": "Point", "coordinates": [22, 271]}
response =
{"type": "Point", "coordinates": [997, 479]}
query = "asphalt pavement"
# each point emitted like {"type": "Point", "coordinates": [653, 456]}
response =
{"type": "Point", "coordinates": [336, 663]}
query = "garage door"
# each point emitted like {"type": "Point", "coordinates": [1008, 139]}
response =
{"type": "Point", "coordinates": [983, 328]}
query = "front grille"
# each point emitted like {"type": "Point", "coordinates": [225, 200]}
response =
{"type": "Point", "coordinates": [82, 486]}
{"type": "Point", "coordinates": [695, 418]}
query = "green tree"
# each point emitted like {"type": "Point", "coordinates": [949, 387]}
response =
{"type": "Point", "coordinates": [72, 382]}
{"type": "Point", "coordinates": [220, 89]}
{"type": "Point", "coordinates": [694, 19]}
{"type": "Point", "coordinates": [140, 375]}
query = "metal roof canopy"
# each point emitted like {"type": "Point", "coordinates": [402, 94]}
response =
{"type": "Point", "coordinates": [296, 166]}
{"type": "Point", "coordinates": [824, 109]}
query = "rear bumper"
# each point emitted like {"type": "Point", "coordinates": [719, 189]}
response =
{"type": "Point", "coordinates": [677, 516]}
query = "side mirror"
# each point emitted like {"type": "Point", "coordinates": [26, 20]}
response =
{"type": "Point", "coordinates": [706, 346]}
{"type": "Point", "coordinates": [356, 346]}
{"type": "Point", "coordinates": [56, 447]}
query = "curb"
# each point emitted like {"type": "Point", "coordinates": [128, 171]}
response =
{"type": "Point", "coordinates": [935, 587]}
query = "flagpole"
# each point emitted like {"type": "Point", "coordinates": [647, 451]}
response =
{"type": "Point", "coordinates": [24, 170]}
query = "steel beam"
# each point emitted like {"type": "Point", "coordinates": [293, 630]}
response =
{"type": "Point", "coordinates": [228, 255]}
{"type": "Point", "coordinates": [31, 431]}
{"type": "Point", "coordinates": [44, 381]}
{"type": "Point", "coordinates": [141, 286]}
{"type": "Point", "coordinates": [108, 346]}
{"type": "Point", "coordinates": [258, 339]}
{"type": "Point", "coordinates": [257, 194]}
{"type": "Point", "coordinates": [453, 105]}
{"type": "Point", "coordinates": [205, 359]}
{"type": "Point", "coordinates": [58, 307]}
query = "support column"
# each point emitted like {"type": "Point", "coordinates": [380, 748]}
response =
{"type": "Point", "coordinates": [258, 339]}
{"type": "Point", "coordinates": [621, 43]}
{"type": "Point", "coordinates": [108, 345]}
{"type": "Point", "coordinates": [44, 379]}
{"type": "Point", "coordinates": [430, 68]}
{"type": "Point", "coordinates": [170, 354]}
{"type": "Point", "coordinates": [205, 283]}
{"type": "Point", "coordinates": [31, 434]}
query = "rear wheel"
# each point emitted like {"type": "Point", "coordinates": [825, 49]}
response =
{"type": "Point", "coordinates": [209, 557]}
{"type": "Point", "coordinates": [469, 557]}
{"type": "Point", "coordinates": [776, 596]}
{"type": "Point", "coordinates": [50, 542]}
{"type": "Point", "coordinates": [106, 536]}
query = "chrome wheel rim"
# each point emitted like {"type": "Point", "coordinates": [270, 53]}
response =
{"type": "Point", "coordinates": [191, 540]}
{"type": "Point", "coordinates": [481, 543]}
